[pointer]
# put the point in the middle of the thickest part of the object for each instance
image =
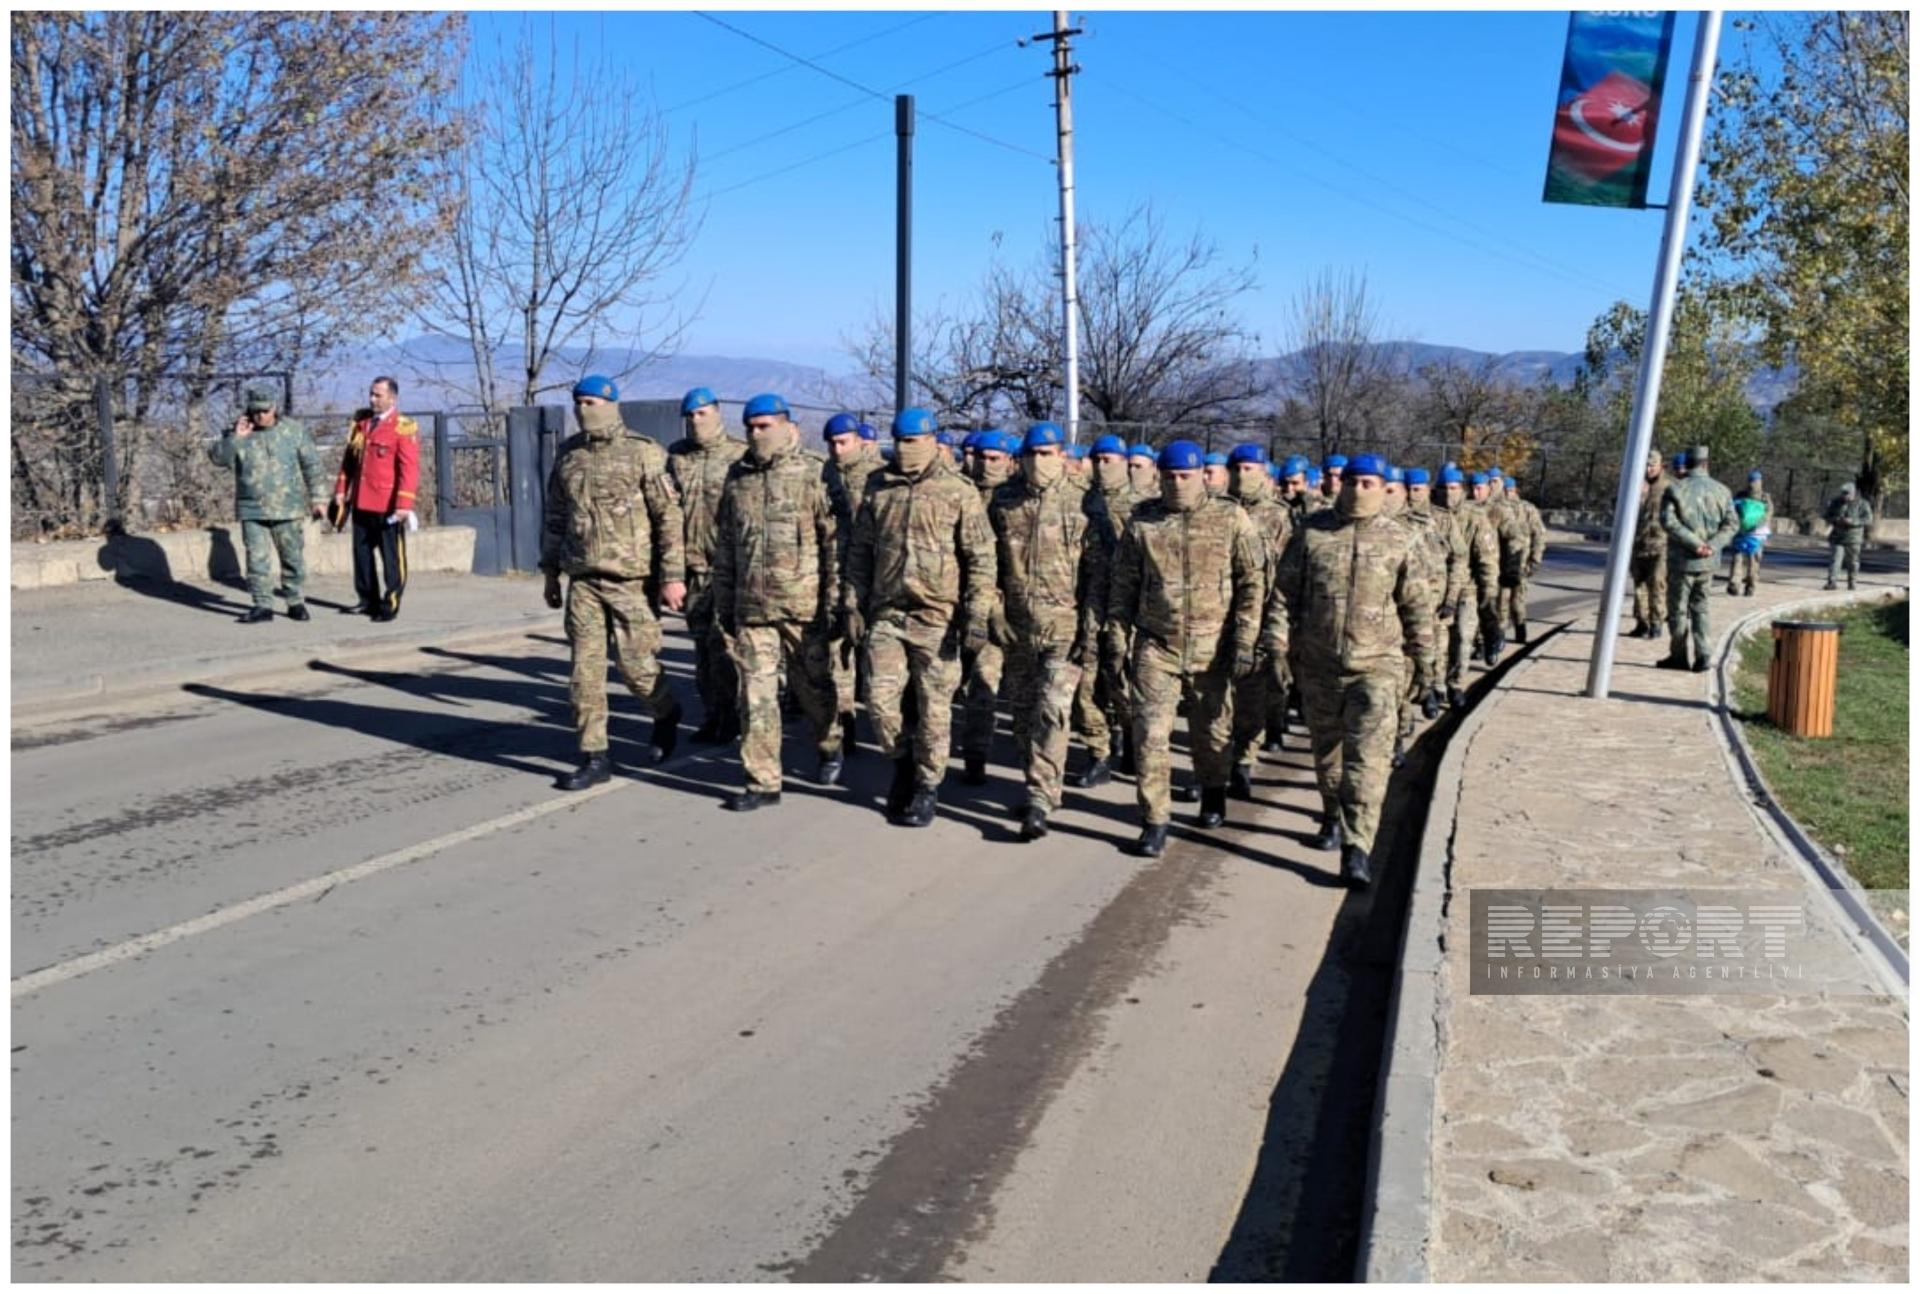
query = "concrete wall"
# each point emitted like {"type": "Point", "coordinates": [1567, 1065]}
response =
{"type": "Point", "coordinates": [216, 552]}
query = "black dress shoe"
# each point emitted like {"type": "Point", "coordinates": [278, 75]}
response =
{"type": "Point", "coordinates": [976, 774]}
{"type": "Point", "coordinates": [1153, 840]}
{"type": "Point", "coordinates": [298, 611]}
{"type": "Point", "coordinates": [382, 615]}
{"type": "Point", "coordinates": [257, 616]}
{"type": "Point", "coordinates": [1185, 794]}
{"type": "Point", "coordinates": [831, 766]}
{"type": "Point", "coordinates": [921, 808]}
{"type": "Point", "coordinates": [666, 736]}
{"type": "Point", "coordinates": [357, 609]}
{"type": "Point", "coordinates": [900, 793]}
{"type": "Point", "coordinates": [1354, 868]}
{"type": "Point", "coordinates": [1332, 832]}
{"type": "Point", "coordinates": [748, 801]}
{"type": "Point", "coordinates": [1033, 824]}
{"type": "Point", "coordinates": [594, 769]}
{"type": "Point", "coordinates": [1240, 783]}
{"type": "Point", "coordinates": [1213, 808]}
{"type": "Point", "coordinates": [1672, 660]}
{"type": "Point", "coordinates": [1098, 773]}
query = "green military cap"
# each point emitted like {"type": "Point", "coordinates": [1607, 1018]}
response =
{"type": "Point", "coordinates": [261, 398]}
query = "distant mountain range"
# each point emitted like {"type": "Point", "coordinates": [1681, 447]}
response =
{"type": "Point", "coordinates": [437, 372]}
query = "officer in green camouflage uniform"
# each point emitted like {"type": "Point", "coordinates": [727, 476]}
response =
{"type": "Point", "coordinates": [1745, 573]}
{"type": "Point", "coordinates": [1100, 714]}
{"type": "Point", "coordinates": [1054, 549]}
{"type": "Point", "coordinates": [697, 464]}
{"type": "Point", "coordinates": [1249, 485]}
{"type": "Point", "coordinates": [612, 525]}
{"type": "Point", "coordinates": [1699, 519]}
{"type": "Point", "coordinates": [918, 590]}
{"type": "Point", "coordinates": [1649, 563]}
{"type": "Point", "coordinates": [277, 486]}
{"type": "Point", "coordinates": [983, 669]}
{"type": "Point", "coordinates": [1513, 597]}
{"type": "Point", "coordinates": [1187, 578]}
{"type": "Point", "coordinates": [1470, 544]}
{"type": "Point", "coordinates": [853, 458]}
{"type": "Point", "coordinates": [1347, 608]}
{"type": "Point", "coordinates": [1848, 517]}
{"type": "Point", "coordinates": [775, 587]}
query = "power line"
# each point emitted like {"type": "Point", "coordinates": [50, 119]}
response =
{"type": "Point", "coordinates": [867, 90]}
{"type": "Point", "coordinates": [837, 49]}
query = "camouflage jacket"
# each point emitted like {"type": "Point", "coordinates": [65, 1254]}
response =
{"type": "Point", "coordinates": [1190, 580]}
{"type": "Point", "coordinates": [1055, 550]}
{"type": "Point", "coordinates": [1437, 563]}
{"type": "Point", "coordinates": [1536, 531]}
{"type": "Point", "coordinates": [699, 474]}
{"type": "Point", "coordinates": [277, 474]}
{"type": "Point", "coordinates": [1474, 554]}
{"type": "Point", "coordinates": [1848, 521]}
{"type": "Point", "coordinates": [1698, 510]}
{"type": "Point", "coordinates": [1305, 504]}
{"type": "Point", "coordinates": [1347, 597]}
{"type": "Point", "coordinates": [921, 543]}
{"type": "Point", "coordinates": [1510, 539]}
{"type": "Point", "coordinates": [611, 511]}
{"type": "Point", "coordinates": [1113, 508]}
{"type": "Point", "coordinates": [775, 555]}
{"type": "Point", "coordinates": [1649, 536]}
{"type": "Point", "coordinates": [1274, 520]}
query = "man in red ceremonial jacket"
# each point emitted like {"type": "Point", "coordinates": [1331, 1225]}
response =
{"type": "Point", "coordinates": [374, 493]}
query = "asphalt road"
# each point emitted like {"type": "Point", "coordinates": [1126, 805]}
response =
{"type": "Point", "coordinates": [321, 980]}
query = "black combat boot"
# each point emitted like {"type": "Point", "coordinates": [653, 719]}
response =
{"type": "Point", "coordinates": [1098, 773]}
{"type": "Point", "coordinates": [1276, 741]}
{"type": "Point", "coordinates": [1431, 704]}
{"type": "Point", "coordinates": [1153, 840]}
{"type": "Point", "coordinates": [1332, 832]}
{"type": "Point", "coordinates": [260, 615]}
{"type": "Point", "coordinates": [1456, 699]}
{"type": "Point", "coordinates": [900, 793]}
{"type": "Point", "coordinates": [1033, 824]}
{"type": "Point", "coordinates": [976, 770]}
{"type": "Point", "coordinates": [1353, 868]}
{"type": "Point", "coordinates": [1213, 808]}
{"type": "Point", "coordinates": [1185, 792]}
{"type": "Point", "coordinates": [849, 735]}
{"type": "Point", "coordinates": [1656, 630]}
{"type": "Point", "coordinates": [594, 768]}
{"type": "Point", "coordinates": [1124, 761]}
{"type": "Point", "coordinates": [1520, 635]}
{"type": "Point", "coordinates": [298, 611]}
{"type": "Point", "coordinates": [1495, 645]}
{"type": "Point", "coordinates": [1700, 663]}
{"type": "Point", "coordinates": [1240, 783]}
{"type": "Point", "coordinates": [666, 736]}
{"type": "Point", "coordinates": [921, 808]}
{"type": "Point", "coordinates": [1399, 751]}
{"type": "Point", "coordinates": [748, 801]}
{"type": "Point", "coordinates": [1639, 629]}
{"type": "Point", "coordinates": [1676, 658]}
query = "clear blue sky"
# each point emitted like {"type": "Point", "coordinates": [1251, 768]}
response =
{"type": "Point", "coordinates": [1411, 146]}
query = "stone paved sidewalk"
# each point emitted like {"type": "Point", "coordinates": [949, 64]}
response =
{"type": "Point", "coordinates": [1723, 1138]}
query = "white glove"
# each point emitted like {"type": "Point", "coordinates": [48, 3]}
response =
{"type": "Point", "coordinates": [413, 523]}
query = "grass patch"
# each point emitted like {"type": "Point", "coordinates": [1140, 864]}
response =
{"type": "Point", "coordinates": [1848, 791]}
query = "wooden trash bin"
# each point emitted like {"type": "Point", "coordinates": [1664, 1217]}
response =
{"type": "Point", "coordinates": [1801, 676]}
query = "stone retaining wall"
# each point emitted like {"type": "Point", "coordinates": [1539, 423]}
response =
{"type": "Point", "coordinates": [216, 552]}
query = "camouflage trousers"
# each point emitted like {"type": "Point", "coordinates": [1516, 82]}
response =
{"type": "Point", "coordinates": [1041, 687]}
{"type": "Point", "coordinates": [1844, 550]}
{"type": "Point", "coordinates": [1470, 619]}
{"type": "Point", "coordinates": [983, 700]}
{"type": "Point", "coordinates": [1512, 614]}
{"type": "Point", "coordinates": [847, 669]}
{"type": "Point", "coordinates": [263, 540]}
{"type": "Point", "coordinates": [912, 649]}
{"type": "Point", "coordinates": [758, 653]}
{"type": "Point", "coordinates": [1745, 573]}
{"type": "Point", "coordinates": [603, 612]}
{"type": "Point", "coordinates": [1649, 588]}
{"type": "Point", "coordinates": [1687, 606]}
{"type": "Point", "coordinates": [1099, 695]}
{"type": "Point", "coordinates": [1250, 715]}
{"type": "Point", "coordinates": [1159, 684]}
{"type": "Point", "coordinates": [1351, 717]}
{"type": "Point", "coordinates": [713, 673]}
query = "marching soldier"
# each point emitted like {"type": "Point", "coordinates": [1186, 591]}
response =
{"type": "Point", "coordinates": [374, 494]}
{"type": "Point", "coordinates": [1447, 567]}
{"type": "Point", "coordinates": [1334, 469]}
{"type": "Point", "coordinates": [854, 458]}
{"type": "Point", "coordinates": [1514, 597]}
{"type": "Point", "coordinates": [1187, 578]}
{"type": "Point", "coordinates": [1053, 550]}
{"type": "Point", "coordinates": [1698, 516]}
{"type": "Point", "coordinates": [1649, 563]}
{"type": "Point", "coordinates": [613, 526]}
{"type": "Point", "coordinates": [1144, 470]}
{"type": "Point", "coordinates": [1510, 541]}
{"type": "Point", "coordinates": [1100, 712]}
{"type": "Point", "coordinates": [1252, 489]}
{"type": "Point", "coordinates": [775, 586]}
{"type": "Point", "coordinates": [917, 591]}
{"type": "Point", "coordinates": [1848, 517]}
{"type": "Point", "coordinates": [698, 463]}
{"type": "Point", "coordinates": [1345, 606]}
{"type": "Point", "coordinates": [277, 485]}
{"type": "Point", "coordinates": [1215, 473]}
{"type": "Point", "coordinates": [983, 668]}
{"type": "Point", "coordinates": [1470, 538]}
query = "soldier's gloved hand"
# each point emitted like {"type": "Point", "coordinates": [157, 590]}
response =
{"type": "Point", "coordinates": [553, 596]}
{"type": "Point", "coordinates": [977, 637]}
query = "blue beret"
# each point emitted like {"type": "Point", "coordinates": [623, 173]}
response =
{"type": "Point", "coordinates": [1216, 460]}
{"type": "Point", "coordinates": [1073, 451]}
{"type": "Point", "coordinates": [1044, 433]}
{"type": "Point", "coordinates": [971, 440]}
{"type": "Point", "coordinates": [1478, 478]}
{"type": "Point", "coordinates": [1754, 475]}
{"type": "Point", "coordinates": [1450, 475]}
{"type": "Point", "coordinates": [1295, 466]}
{"type": "Point", "coordinates": [995, 441]}
{"type": "Point", "coordinates": [1418, 476]}
{"type": "Point", "coordinates": [1396, 476]}
{"type": "Point", "coordinates": [1110, 444]}
{"type": "Point", "coordinates": [842, 424]}
{"type": "Point", "coordinates": [1273, 470]}
{"type": "Point", "coordinates": [1449, 465]}
{"type": "Point", "coordinates": [913, 422]}
{"type": "Point", "coordinates": [1016, 443]}
{"type": "Point", "coordinates": [1181, 456]}
{"type": "Point", "coordinates": [698, 398]}
{"type": "Point", "coordinates": [596, 385]}
{"type": "Point", "coordinates": [1366, 465]}
{"type": "Point", "coordinates": [1247, 454]}
{"type": "Point", "coordinates": [763, 405]}
{"type": "Point", "coordinates": [1142, 450]}
{"type": "Point", "coordinates": [1336, 460]}
{"type": "Point", "coordinates": [1313, 478]}
{"type": "Point", "coordinates": [867, 432]}
{"type": "Point", "coordinates": [1680, 461]}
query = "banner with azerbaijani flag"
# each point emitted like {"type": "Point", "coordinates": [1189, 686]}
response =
{"type": "Point", "coordinates": [1609, 103]}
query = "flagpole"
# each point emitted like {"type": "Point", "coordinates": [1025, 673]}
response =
{"type": "Point", "coordinates": [1646, 395]}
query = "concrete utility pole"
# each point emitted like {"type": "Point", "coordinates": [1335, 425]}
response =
{"type": "Point", "coordinates": [903, 257]}
{"type": "Point", "coordinates": [1062, 74]}
{"type": "Point", "coordinates": [1646, 395]}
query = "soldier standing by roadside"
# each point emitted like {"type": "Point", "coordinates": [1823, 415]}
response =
{"type": "Point", "coordinates": [1100, 712]}
{"type": "Point", "coordinates": [1751, 541]}
{"type": "Point", "coordinates": [1699, 520]}
{"type": "Point", "coordinates": [775, 586]}
{"type": "Point", "coordinates": [1470, 538]}
{"type": "Point", "coordinates": [1252, 489]}
{"type": "Point", "coordinates": [1054, 548]}
{"type": "Point", "coordinates": [1187, 579]}
{"type": "Point", "coordinates": [1848, 517]}
{"type": "Point", "coordinates": [374, 494]}
{"type": "Point", "coordinates": [918, 589]}
{"type": "Point", "coordinates": [698, 464]}
{"type": "Point", "coordinates": [1347, 609]}
{"type": "Point", "coordinates": [612, 525]}
{"type": "Point", "coordinates": [1649, 564]}
{"type": "Point", "coordinates": [853, 459]}
{"type": "Point", "coordinates": [277, 485]}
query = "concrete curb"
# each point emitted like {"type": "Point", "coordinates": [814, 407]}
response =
{"type": "Point", "coordinates": [1399, 1191]}
{"type": "Point", "coordinates": [1876, 944]}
